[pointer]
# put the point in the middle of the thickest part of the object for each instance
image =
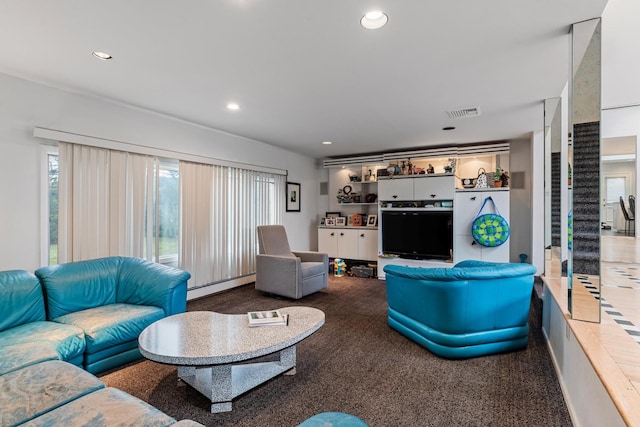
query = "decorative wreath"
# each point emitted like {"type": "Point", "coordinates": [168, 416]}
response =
{"type": "Point", "coordinates": [490, 229]}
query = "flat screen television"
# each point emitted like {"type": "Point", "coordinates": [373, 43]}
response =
{"type": "Point", "coordinates": [418, 234]}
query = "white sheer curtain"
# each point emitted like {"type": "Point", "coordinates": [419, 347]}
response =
{"type": "Point", "coordinates": [196, 236]}
{"type": "Point", "coordinates": [221, 208]}
{"type": "Point", "coordinates": [105, 203]}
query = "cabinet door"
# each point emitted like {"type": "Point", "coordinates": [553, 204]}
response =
{"type": "Point", "coordinates": [501, 199]}
{"type": "Point", "coordinates": [464, 248]}
{"type": "Point", "coordinates": [395, 189]}
{"type": "Point", "coordinates": [347, 243]}
{"type": "Point", "coordinates": [498, 254]}
{"type": "Point", "coordinates": [465, 210]}
{"type": "Point", "coordinates": [328, 241]}
{"type": "Point", "coordinates": [367, 244]}
{"type": "Point", "coordinates": [434, 188]}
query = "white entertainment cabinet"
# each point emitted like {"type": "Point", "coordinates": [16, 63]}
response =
{"type": "Point", "coordinates": [439, 191]}
{"type": "Point", "coordinates": [359, 243]}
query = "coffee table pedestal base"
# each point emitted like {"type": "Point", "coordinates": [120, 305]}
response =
{"type": "Point", "coordinates": [222, 383]}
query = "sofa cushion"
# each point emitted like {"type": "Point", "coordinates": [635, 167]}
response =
{"type": "Point", "coordinates": [13, 357]}
{"type": "Point", "coordinates": [21, 299]}
{"type": "Point", "coordinates": [36, 389]}
{"type": "Point", "coordinates": [112, 324]}
{"type": "Point", "coordinates": [80, 285]}
{"type": "Point", "coordinates": [105, 407]}
{"type": "Point", "coordinates": [67, 340]}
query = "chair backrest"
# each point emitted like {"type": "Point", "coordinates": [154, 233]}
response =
{"type": "Point", "coordinates": [624, 210]}
{"type": "Point", "coordinates": [272, 240]}
{"type": "Point", "coordinates": [632, 205]}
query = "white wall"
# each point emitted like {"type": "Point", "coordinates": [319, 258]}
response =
{"type": "Point", "coordinates": [520, 160]}
{"type": "Point", "coordinates": [588, 401]}
{"type": "Point", "coordinates": [625, 122]}
{"type": "Point", "coordinates": [26, 105]}
{"type": "Point", "coordinates": [540, 215]}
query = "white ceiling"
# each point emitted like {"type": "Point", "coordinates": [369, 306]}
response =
{"type": "Point", "coordinates": [305, 72]}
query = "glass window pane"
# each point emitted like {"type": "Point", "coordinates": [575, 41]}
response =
{"type": "Point", "coordinates": [615, 188]}
{"type": "Point", "coordinates": [168, 213]}
{"type": "Point", "coordinates": [53, 208]}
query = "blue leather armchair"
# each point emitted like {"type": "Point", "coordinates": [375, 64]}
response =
{"type": "Point", "coordinates": [473, 309]}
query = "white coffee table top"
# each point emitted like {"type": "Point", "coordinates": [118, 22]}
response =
{"type": "Point", "coordinates": [199, 338]}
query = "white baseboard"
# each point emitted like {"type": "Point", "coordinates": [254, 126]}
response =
{"type": "Point", "coordinates": [219, 287]}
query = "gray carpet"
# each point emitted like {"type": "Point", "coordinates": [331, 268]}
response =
{"type": "Point", "coordinates": [355, 363]}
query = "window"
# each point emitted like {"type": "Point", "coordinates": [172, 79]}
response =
{"type": "Point", "coordinates": [157, 209]}
{"type": "Point", "coordinates": [221, 209]}
{"type": "Point", "coordinates": [167, 220]}
{"type": "Point", "coordinates": [198, 217]}
{"type": "Point", "coordinates": [615, 188]}
{"type": "Point", "coordinates": [51, 246]}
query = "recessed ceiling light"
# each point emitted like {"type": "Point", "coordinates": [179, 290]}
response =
{"type": "Point", "coordinates": [327, 142]}
{"type": "Point", "coordinates": [449, 128]}
{"type": "Point", "coordinates": [374, 20]}
{"type": "Point", "coordinates": [233, 106]}
{"type": "Point", "coordinates": [101, 55]}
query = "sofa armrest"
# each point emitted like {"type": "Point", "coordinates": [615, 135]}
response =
{"type": "Point", "coordinates": [276, 274]}
{"type": "Point", "coordinates": [147, 283]}
{"type": "Point", "coordinates": [309, 256]}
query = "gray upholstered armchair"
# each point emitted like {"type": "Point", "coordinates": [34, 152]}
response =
{"type": "Point", "coordinates": [282, 272]}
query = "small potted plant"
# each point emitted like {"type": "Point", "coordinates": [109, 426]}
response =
{"type": "Point", "coordinates": [497, 180]}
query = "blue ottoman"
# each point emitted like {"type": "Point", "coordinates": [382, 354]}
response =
{"type": "Point", "coordinates": [333, 419]}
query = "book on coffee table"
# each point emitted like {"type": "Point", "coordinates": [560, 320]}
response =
{"type": "Point", "coordinates": [267, 318]}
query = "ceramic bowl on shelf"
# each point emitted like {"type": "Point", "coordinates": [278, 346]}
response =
{"type": "Point", "coordinates": [469, 182]}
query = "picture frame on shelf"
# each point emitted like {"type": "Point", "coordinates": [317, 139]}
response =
{"type": "Point", "coordinates": [293, 196]}
{"type": "Point", "coordinates": [341, 221]}
{"type": "Point", "coordinates": [372, 220]}
{"type": "Point", "coordinates": [356, 220]}
{"type": "Point", "coordinates": [330, 222]}
{"type": "Point", "coordinates": [332, 214]}
{"type": "Point", "coordinates": [322, 221]}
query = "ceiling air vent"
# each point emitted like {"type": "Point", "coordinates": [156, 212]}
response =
{"type": "Point", "coordinates": [464, 112]}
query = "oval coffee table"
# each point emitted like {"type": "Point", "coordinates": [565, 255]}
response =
{"type": "Point", "coordinates": [211, 349]}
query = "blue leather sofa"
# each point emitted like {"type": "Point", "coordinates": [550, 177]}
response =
{"type": "Point", "coordinates": [473, 309]}
{"type": "Point", "coordinates": [89, 313]}
{"type": "Point", "coordinates": [56, 393]}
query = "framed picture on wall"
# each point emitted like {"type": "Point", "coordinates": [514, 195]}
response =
{"type": "Point", "coordinates": [372, 220]}
{"type": "Point", "coordinates": [293, 197]}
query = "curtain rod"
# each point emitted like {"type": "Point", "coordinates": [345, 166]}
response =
{"type": "Point", "coordinates": [75, 138]}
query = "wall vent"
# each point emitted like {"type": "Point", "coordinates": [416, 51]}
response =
{"type": "Point", "coordinates": [464, 112]}
{"type": "Point", "coordinates": [346, 161]}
